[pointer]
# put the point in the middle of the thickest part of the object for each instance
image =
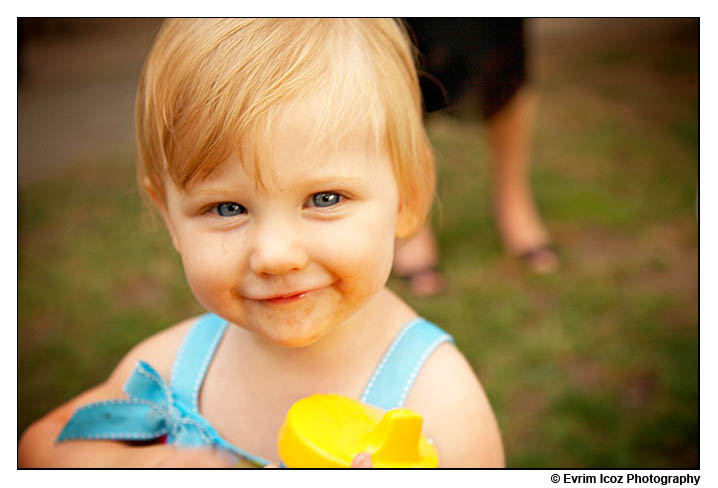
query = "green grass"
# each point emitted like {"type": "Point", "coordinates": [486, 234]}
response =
{"type": "Point", "coordinates": [594, 367]}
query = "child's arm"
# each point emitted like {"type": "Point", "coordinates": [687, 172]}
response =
{"type": "Point", "coordinates": [457, 414]}
{"type": "Point", "coordinates": [38, 448]}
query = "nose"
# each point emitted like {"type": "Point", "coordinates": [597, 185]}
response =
{"type": "Point", "coordinates": [277, 248]}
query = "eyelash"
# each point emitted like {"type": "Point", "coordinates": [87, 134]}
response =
{"type": "Point", "coordinates": [242, 210]}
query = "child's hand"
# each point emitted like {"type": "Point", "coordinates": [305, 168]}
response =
{"type": "Point", "coordinates": [362, 460]}
{"type": "Point", "coordinates": [166, 456]}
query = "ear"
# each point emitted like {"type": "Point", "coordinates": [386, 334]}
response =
{"type": "Point", "coordinates": [406, 222]}
{"type": "Point", "coordinates": [161, 206]}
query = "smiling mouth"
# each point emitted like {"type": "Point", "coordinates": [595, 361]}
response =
{"type": "Point", "coordinates": [286, 298]}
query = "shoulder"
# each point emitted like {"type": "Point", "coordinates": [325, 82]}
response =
{"type": "Point", "coordinates": [159, 350]}
{"type": "Point", "coordinates": [457, 414]}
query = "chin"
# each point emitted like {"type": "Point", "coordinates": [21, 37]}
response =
{"type": "Point", "coordinates": [294, 338]}
{"type": "Point", "coordinates": [295, 342]}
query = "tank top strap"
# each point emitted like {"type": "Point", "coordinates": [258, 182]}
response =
{"type": "Point", "coordinates": [393, 377]}
{"type": "Point", "coordinates": [193, 358]}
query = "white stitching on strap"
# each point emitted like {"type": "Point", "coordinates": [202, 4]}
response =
{"type": "Point", "coordinates": [417, 367]}
{"type": "Point", "coordinates": [168, 393]}
{"type": "Point", "coordinates": [203, 368]}
{"type": "Point", "coordinates": [180, 352]}
{"type": "Point", "coordinates": [385, 359]}
{"type": "Point", "coordinates": [121, 435]}
{"type": "Point", "coordinates": [189, 421]}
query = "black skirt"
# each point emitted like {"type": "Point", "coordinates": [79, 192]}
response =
{"type": "Point", "coordinates": [482, 56]}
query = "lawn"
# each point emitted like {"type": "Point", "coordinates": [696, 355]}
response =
{"type": "Point", "coordinates": [595, 366]}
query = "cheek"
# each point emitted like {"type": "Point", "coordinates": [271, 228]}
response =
{"type": "Point", "coordinates": [208, 270]}
{"type": "Point", "coordinates": [362, 252]}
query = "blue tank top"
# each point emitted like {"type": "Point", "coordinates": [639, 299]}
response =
{"type": "Point", "coordinates": [155, 409]}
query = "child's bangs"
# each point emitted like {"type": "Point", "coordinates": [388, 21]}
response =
{"type": "Point", "coordinates": [341, 113]}
{"type": "Point", "coordinates": [329, 75]}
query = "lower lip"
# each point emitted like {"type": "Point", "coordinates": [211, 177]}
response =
{"type": "Point", "coordinates": [283, 300]}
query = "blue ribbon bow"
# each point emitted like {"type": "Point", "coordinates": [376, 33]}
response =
{"type": "Point", "coordinates": [150, 412]}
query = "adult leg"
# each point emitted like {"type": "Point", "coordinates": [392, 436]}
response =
{"type": "Point", "coordinates": [510, 133]}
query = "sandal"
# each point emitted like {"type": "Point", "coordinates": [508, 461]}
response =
{"type": "Point", "coordinates": [542, 259]}
{"type": "Point", "coordinates": [425, 282]}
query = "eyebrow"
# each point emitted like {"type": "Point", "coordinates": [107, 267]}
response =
{"type": "Point", "coordinates": [329, 181]}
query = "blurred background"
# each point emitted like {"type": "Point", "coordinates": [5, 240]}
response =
{"type": "Point", "coordinates": [594, 366]}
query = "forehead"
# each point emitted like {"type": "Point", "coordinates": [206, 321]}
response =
{"type": "Point", "coordinates": [309, 135]}
{"type": "Point", "coordinates": [291, 154]}
{"type": "Point", "coordinates": [345, 170]}
{"type": "Point", "coordinates": [323, 127]}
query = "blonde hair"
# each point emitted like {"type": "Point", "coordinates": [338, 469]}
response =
{"type": "Point", "coordinates": [210, 87]}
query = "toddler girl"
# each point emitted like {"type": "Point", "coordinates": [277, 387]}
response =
{"type": "Point", "coordinates": [286, 156]}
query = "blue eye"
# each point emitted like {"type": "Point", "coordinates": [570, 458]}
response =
{"type": "Point", "coordinates": [326, 199]}
{"type": "Point", "coordinates": [230, 209]}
